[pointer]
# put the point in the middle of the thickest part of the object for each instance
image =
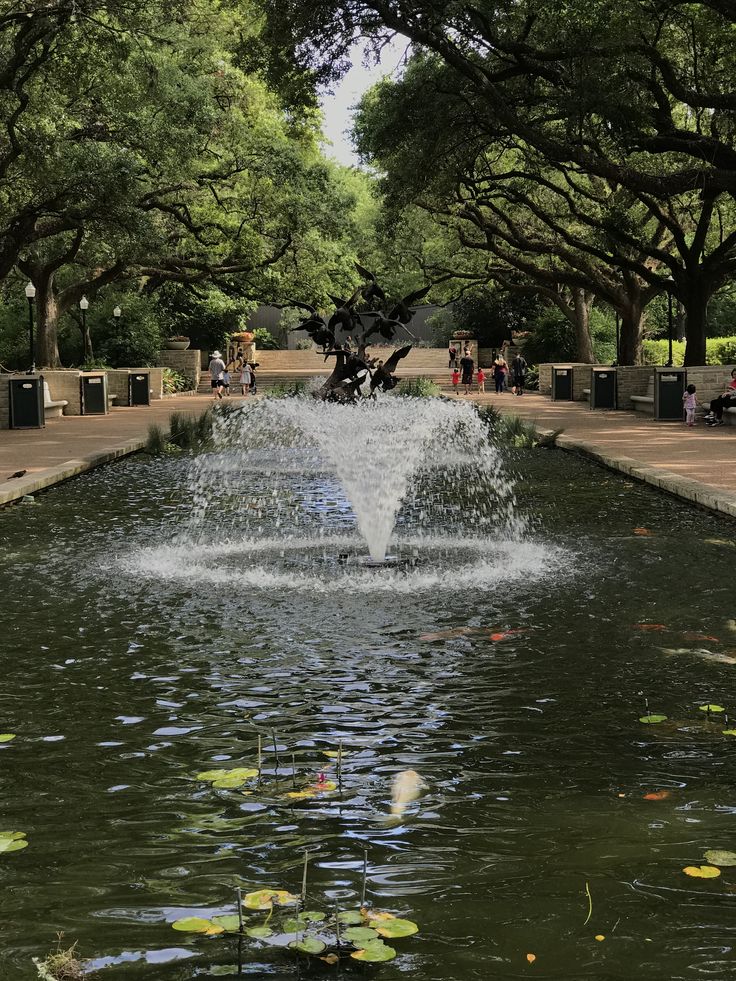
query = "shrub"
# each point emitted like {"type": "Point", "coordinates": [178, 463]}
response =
{"type": "Point", "coordinates": [286, 389]}
{"type": "Point", "coordinates": [422, 388]}
{"type": "Point", "coordinates": [265, 339]}
{"type": "Point", "coordinates": [174, 381]}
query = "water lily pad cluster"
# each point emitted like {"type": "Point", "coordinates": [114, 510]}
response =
{"type": "Point", "coordinates": [12, 841]}
{"type": "Point", "coordinates": [228, 779]}
{"type": "Point", "coordinates": [653, 718]}
{"type": "Point", "coordinates": [717, 858]}
{"type": "Point", "coordinates": [7, 737]}
{"type": "Point", "coordinates": [360, 934]}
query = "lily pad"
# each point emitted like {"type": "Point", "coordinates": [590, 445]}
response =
{"type": "Point", "coordinates": [378, 914]}
{"type": "Point", "coordinates": [194, 924]}
{"type": "Point", "coordinates": [6, 737]}
{"type": "Point", "coordinates": [716, 856]}
{"type": "Point", "coordinates": [653, 719]}
{"type": "Point", "coordinates": [333, 754]}
{"type": "Point", "coordinates": [353, 917]}
{"type": "Point", "coordinates": [711, 708]}
{"type": "Point", "coordinates": [374, 953]}
{"type": "Point", "coordinates": [228, 779]}
{"type": "Point", "coordinates": [359, 935]}
{"type": "Point", "coordinates": [729, 732]}
{"type": "Point", "coordinates": [311, 916]}
{"type": "Point", "coordinates": [259, 933]}
{"type": "Point", "coordinates": [301, 794]}
{"type": "Point", "coordinates": [395, 928]}
{"type": "Point", "coordinates": [702, 871]}
{"type": "Point", "coordinates": [229, 922]}
{"type": "Point", "coordinates": [12, 841]}
{"type": "Point", "coordinates": [308, 945]}
{"type": "Point", "coordinates": [266, 898]}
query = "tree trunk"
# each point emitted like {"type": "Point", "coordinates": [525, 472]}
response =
{"type": "Point", "coordinates": [47, 318]}
{"type": "Point", "coordinates": [695, 301]}
{"type": "Point", "coordinates": [583, 304]}
{"type": "Point", "coordinates": [630, 337]}
{"type": "Point", "coordinates": [86, 340]}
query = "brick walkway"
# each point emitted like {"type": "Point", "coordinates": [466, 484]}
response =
{"type": "Point", "coordinates": [73, 444]}
{"type": "Point", "coordinates": [698, 464]}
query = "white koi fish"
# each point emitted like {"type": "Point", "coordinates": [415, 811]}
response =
{"type": "Point", "coordinates": [406, 787]}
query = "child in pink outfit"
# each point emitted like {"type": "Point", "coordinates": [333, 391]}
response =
{"type": "Point", "coordinates": [688, 400]}
{"type": "Point", "coordinates": [455, 379]}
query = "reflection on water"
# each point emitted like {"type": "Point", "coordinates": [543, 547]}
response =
{"type": "Point", "coordinates": [134, 662]}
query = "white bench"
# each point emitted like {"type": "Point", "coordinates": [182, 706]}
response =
{"type": "Point", "coordinates": [111, 400]}
{"type": "Point", "coordinates": [52, 409]}
{"type": "Point", "coordinates": [645, 403]}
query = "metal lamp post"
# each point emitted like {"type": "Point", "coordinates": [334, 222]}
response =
{"type": "Point", "coordinates": [117, 314]}
{"type": "Point", "coordinates": [618, 338]}
{"type": "Point", "coordinates": [84, 306]}
{"type": "Point", "coordinates": [31, 295]}
{"type": "Point", "coordinates": [669, 322]}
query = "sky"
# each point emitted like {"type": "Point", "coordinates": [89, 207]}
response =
{"type": "Point", "coordinates": [337, 107]}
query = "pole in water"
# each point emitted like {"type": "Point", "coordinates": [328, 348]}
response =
{"type": "Point", "coordinates": [275, 747]}
{"type": "Point", "coordinates": [240, 908]}
{"type": "Point", "coordinates": [337, 924]}
{"type": "Point", "coordinates": [339, 765]}
{"type": "Point", "coordinates": [365, 878]}
{"type": "Point", "coordinates": [304, 876]}
{"type": "Point", "coordinates": [260, 755]}
{"type": "Point", "coordinates": [293, 770]}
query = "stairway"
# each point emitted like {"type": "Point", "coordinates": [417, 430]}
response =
{"type": "Point", "coordinates": [287, 367]}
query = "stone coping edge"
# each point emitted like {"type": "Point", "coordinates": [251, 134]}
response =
{"type": "Point", "coordinates": [712, 498]}
{"type": "Point", "coordinates": [50, 476]}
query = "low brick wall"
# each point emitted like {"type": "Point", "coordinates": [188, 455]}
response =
{"type": "Point", "coordinates": [65, 385]}
{"type": "Point", "coordinates": [580, 381]}
{"type": "Point", "coordinates": [117, 384]}
{"type": "Point", "coordinates": [5, 401]}
{"type": "Point", "coordinates": [578, 377]}
{"type": "Point", "coordinates": [545, 379]}
{"type": "Point", "coordinates": [632, 380]}
{"type": "Point", "coordinates": [187, 363]}
{"type": "Point", "coordinates": [710, 380]}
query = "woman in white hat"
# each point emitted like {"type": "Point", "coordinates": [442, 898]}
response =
{"type": "Point", "coordinates": [217, 370]}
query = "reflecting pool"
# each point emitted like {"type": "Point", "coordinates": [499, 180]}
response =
{"type": "Point", "coordinates": [145, 641]}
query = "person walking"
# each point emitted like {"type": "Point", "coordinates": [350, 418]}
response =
{"type": "Point", "coordinates": [499, 366]}
{"type": "Point", "coordinates": [253, 386]}
{"type": "Point", "coordinates": [725, 401]}
{"type": "Point", "coordinates": [481, 379]}
{"type": "Point", "coordinates": [452, 354]}
{"type": "Point", "coordinates": [246, 378]}
{"type": "Point", "coordinates": [467, 367]}
{"type": "Point", "coordinates": [519, 368]}
{"type": "Point", "coordinates": [216, 370]}
{"type": "Point", "coordinates": [690, 403]}
{"type": "Point", "coordinates": [455, 379]}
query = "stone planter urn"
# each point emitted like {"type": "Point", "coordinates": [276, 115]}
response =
{"type": "Point", "coordinates": [177, 344]}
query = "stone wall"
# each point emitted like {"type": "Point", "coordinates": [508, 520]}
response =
{"type": "Point", "coordinates": [632, 380]}
{"type": "Point", "coordinates": [580, 381]}
{"type": "Point", "coordinates": [187, 363]}
{"type": "Point", "coordinates": [65, 385]}
{"type": "Point", "coordinates": [545, 377]}
{"type": "Point", "coordinates": [5, 401]}
{"type": "Point", "coordinates": [709, 380]}
{"type": "Point", "coordinates": [117, 384]}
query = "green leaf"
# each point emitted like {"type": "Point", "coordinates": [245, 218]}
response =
{"type": "Point", "coordinates": [702, 871]}
{"type": "Point", "coordinates": [6, 737]}
{"type": "Point", "coordinates": [308, 945]}
{"type": "Point", "coordinates": [259, 933]}
{"type": "Point", "coordinates": [395, 928]}
{"type": "Point", "coordinates": [359, 936]}
{"type": "Point", "coordinates": [653, 719]}
{"type": "Point", "coordinates": [374, 953]}
{"type": "Point", "coordinates": [266, 898]}
{"type": "Point", "coordinates": [12, 841]}
{"type": "Point", "coordinates": [193, 924]}
{"type": "Point", "coordinates": [716, 856]}
{"type": "Point", "coordinates": [352, 917]}
{"type": "Point", "coordinates": [311, 916]}
{"type": "Point", "coordinates": [729, 732]}
{"type": "Point", "coordinates": [712, 708]}
{"type": "Point", "coordinates": [229, 922]}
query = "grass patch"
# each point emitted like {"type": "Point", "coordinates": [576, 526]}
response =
{"type": "Point", "coordinates": [515, 431]}
{"type": "Point", "coordinates": [186, 433]}
{"type": "Point", "coordinates": [283, 390]}
{"type": "Point", "coordinates": [418, 388]}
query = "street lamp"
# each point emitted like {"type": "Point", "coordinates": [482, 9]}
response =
{"type": "Point", "coordinates": [669, 321]}
{"type": "Point", "coordinates": [83, 306]}
{"type": "Point", "coordinates": [31, 295]}
{"type": "Point", "coordinates": [618, 338]}
{"type": "Point", "coordinates": [117, 314]}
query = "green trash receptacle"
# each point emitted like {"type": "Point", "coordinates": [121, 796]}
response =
{"type": "Point", "coordinates": [561, 384]}
{"type": "Point", "coordinates": [603, 393]}
{"type": "Point", "coordinates": [26, 403]}
{"type": "Point", "coordinates": [669, 387]}
{"type": "Point", "coordinates": [139, 388]}
{"type": "Point", "coordinates": [93, 394]}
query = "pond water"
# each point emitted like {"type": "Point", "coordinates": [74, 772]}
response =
{"type": "Point", "coordinates": [510, 674]}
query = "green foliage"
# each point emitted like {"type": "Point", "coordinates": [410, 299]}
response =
{"type": "Point", "coordinates": [657, 352]}
{"type": "Point", "coordinates": [265, 340]}
{"type": "Point", "coordinates": [174, 381]}
{"type": "Point", "coordinates": [62, 965]}
{"type": "Point", "coordinates": [287, 389]}
{"type": "Point", "coordinates": [718, 350]}
{"type": "Point", "coordinates": [422, 388]}
{"type": "Point", "coordinates": [492, 316]}
{"type": "Point", "coordinates": [552, 339]}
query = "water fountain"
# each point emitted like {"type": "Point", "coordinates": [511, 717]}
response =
{"type": "Point", "coordinates": [302, 493]}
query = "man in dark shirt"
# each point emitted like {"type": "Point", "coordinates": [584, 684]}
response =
{"type": "Point", "coordinates": [467, 366]}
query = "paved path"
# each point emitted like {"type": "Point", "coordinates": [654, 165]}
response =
{"type": "Point", "coordinates": [73, 444]}
{"type": "Point", "coordinates": [698, 464]}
